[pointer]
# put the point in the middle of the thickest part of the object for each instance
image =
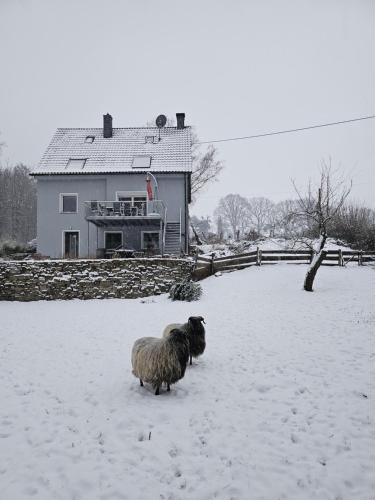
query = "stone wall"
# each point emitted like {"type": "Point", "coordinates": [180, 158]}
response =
{"type": "Point", "coordinates": [90, 279]}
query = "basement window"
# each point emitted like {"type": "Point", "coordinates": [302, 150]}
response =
{"type": "Point", "coordinates": [89, 139]}
{"type": "Point", "coordinates": [141, 161]}
{"type": "Point", "coordinates": [75, 163]}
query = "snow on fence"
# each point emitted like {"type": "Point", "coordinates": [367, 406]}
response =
{"type": "Point", "coordinates": [207, 266]}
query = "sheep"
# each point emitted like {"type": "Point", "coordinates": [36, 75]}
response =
{"type": "Point", "coordinates": [195, 333]}
{"type": "Point", "coordinates": [157, 361]}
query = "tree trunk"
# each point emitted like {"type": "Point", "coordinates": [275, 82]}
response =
{"type": "Point", "coordinates": [313, 269]}
{"type": "Point", "coordinates": [198, 240]}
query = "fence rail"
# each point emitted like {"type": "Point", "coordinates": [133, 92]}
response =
{"type": "Point", "coordinates": [207, 266]}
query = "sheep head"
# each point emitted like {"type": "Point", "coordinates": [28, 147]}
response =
{"type": "Point", "coordinates": [196, 319]}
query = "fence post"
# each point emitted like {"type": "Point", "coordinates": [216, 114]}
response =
{"type": "Point", "coordinates": [212, 263]}
{"type": "Point", "coordinates": [360, 256]}
{"type": "Point", "coordinates": [340, 258]}
{"type": "Point", "coordinates": [259, 257]}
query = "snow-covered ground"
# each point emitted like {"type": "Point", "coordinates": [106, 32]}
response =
{"type": "Point", "coordinates": [280, 406]}
{"type": "Point", "coordinates": [243, 246]}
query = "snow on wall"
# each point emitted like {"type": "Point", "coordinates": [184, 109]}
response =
{"type": "Point", "coordinates": [89, 279]}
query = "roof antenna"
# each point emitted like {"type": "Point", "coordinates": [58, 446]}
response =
{"type": "Point", "coordinates": [161, 120]}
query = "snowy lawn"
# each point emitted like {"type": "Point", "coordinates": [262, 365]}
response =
{"type": "Point", "coordinates": [280, 406]}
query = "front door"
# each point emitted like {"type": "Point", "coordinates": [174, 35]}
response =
{"type": "Point", "coordinates": [71, 244]}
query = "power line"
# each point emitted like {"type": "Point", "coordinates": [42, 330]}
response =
{"type": "Point", "coordinates": [289, 131]}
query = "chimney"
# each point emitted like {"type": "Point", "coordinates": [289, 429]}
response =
{"type": "Point", "coordinates": [180, 120]}
{"type": "Point", "coordinates": [107, 125]}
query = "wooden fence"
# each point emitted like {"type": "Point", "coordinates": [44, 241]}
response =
{"type": "Point", "coordinates": [207, 266]}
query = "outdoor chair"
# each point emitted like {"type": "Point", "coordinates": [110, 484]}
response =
{"type": "Point", "coordinates": [116, 208]}
{"type": "Point", "coordinates": [94, 207]}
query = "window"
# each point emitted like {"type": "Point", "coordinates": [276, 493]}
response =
{"type": "Point", "coordinates": [112, 240]}
{"type": "Point", "coordinates": [141, 161]}
{"type": "Point", "coordinates": [150, 240]}
{"type": "Point", "coordinates": [134, 203]}
{"type": "Point", "coordinates": [149, 139]}
{"type": "Point", "coordinates": [90, 139]}
{"type": "Point", "coordinates": [75, 163]}
{"type": "Point", "coordinates": [68, 203]}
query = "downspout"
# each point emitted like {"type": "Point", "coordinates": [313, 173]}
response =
{"type": "Point", "coordinates": [187, 200]}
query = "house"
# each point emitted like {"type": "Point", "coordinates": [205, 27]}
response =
{"type": "Point", "coordinates": [101, 189]}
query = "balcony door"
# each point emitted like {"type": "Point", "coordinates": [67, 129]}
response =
{"type": "Point", "coordinates": [134, 203]}
{"type": "Point", "coordinates": [71, 244]}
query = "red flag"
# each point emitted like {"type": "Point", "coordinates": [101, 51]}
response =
{"type": "Point", "coordinates": [149, 188]}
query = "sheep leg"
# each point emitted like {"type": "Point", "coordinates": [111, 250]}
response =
{"type": "Point", "coordinates": [191, 359]}
{"type": "Point", "coordinates": [157, 391]}
{"type": "Point", "coordinates": [168, 387]}
{"type": "Point", "coordinates": [141, 382]}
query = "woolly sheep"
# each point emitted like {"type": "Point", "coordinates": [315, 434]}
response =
{"type": "Point", "coordinates": [157, 361]}
{"type": "Point", "coordinates": [195, 332]}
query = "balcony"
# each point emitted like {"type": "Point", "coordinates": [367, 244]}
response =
{"type": "Point", "coordinates": [123, 213]}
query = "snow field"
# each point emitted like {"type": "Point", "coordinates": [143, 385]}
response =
{"type": "Point", "coordinates": [280, 406]}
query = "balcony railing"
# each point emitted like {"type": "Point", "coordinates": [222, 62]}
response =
{"type": "Point", "coordinates": [125, 209]}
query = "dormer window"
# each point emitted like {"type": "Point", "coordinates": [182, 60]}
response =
{"type": "Point", "coordinates": [149, 139]}
{"type": "Point", "coordinates": [75, 163]}
{"type": "Point", "coordinates": [141, 161]}
{"type": "Point", "coordinates": [89, 139]}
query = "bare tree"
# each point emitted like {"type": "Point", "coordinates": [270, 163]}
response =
{"type": "Point", "coordinates": [17, 204]}
{"type": "Point", "coordinates": [206, 168]}
{"type": "Point", "coordinates": [200, 227]}
{"type": "Point", "coordinates": [260, 210]}
{"type": "Point", "coordinates": [320, 205]}
{"type": "Point", "coordinates": [285, 223]}
{"type": "Point", "coordinates": [206, 165]}
{"type": "Point", "coordinates": [234, 211]}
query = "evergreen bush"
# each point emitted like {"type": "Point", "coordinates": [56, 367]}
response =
{"type": "Point", "coordinates": [186, 290]}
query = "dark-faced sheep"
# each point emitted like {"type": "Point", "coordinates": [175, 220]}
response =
{"type": "Point", "coordinates": [157, 361]}
{"type": "Point", "coordinates": [195, 332]}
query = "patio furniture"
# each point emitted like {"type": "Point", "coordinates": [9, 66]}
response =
{"type": "Point", "coordinates": [116, 208]}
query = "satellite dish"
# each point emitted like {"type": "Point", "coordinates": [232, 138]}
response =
{"type": "Point", "coordinates": [161, 120]}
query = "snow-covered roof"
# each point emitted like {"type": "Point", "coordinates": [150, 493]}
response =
{"type": "Point", "coordinates": [125, 151]}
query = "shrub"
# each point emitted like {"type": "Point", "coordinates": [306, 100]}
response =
{"type": "Point", "coordinates": [9, 247]}
{"type": "Point", "coordinates": [186, 290]}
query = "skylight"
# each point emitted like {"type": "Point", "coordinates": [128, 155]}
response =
{"type": "Point", "coordinates": [90, 138]}
{"type": "Point", "coordinates": [141, 161]}
{"type": "Point", "coordinates": [75, 163]}
{"type": "Point", "coordinates": [149, 139]}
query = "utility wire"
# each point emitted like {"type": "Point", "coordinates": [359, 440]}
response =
{"type": "Point", "coordinates": [289, 131]}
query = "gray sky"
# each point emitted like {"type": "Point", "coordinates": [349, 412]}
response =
{"type": "Point", "coordinates": [234, 67]}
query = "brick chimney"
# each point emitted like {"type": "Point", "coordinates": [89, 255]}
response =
{"type": "Point", "coordinates": [107, 125]}
{"type": "Point", "coordinates": [180, 120]}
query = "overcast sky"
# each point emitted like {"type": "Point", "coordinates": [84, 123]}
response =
{"type": "Point", "coordinates": [236, 67]}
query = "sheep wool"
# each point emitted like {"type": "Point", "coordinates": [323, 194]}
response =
{"type": "Point", "coordinates": [194, 331]}
{"type": "Point", "coordinates": [157, 361]}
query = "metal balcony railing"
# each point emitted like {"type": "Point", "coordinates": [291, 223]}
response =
{"type": "Point", "coordinates": [126, 209]}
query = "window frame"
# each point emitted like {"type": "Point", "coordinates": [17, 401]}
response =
{"type": "Point", "coordinates": [141, 167]}
{"type": "Point", "coordinates": [113, 232]}
{"type": "Point", "coordinates": [143, 240]}
{"type": "Point", "coordinates": [69, 166]}
{"type": "Point", "coordinates": [61, 203]}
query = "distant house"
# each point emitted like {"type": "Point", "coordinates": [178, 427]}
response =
{"type": "Point", "coordinates": [114, 188]}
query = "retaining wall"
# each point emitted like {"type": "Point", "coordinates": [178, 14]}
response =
{"type": "Point", "coordinates": [90, 279]}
